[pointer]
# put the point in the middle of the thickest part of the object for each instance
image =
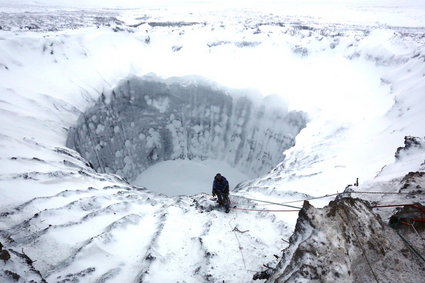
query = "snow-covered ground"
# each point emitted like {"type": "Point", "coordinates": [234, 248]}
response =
{"type": "Point", "coordinates": [187, 177]}
{"type": "Point", "coordinates": [355, 69]}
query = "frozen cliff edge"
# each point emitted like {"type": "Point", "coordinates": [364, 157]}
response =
{"type": "Point", "coordinates": [346, 242]}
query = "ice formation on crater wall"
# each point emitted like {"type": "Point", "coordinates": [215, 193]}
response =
{"type": "Point", "coordinates": [145, 121]}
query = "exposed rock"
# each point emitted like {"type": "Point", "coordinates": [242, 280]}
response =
{"type": "Point", "coordinates": [300, 50]}
{"type": "Point", "coordinates": [174, 24]}
{"type": "Point", "coordinates": [242, 44]}
{"type": "Point", "coordinates": [12, 275]}
{"type": "Point", "coordinates": [25, 257]}
{"type": "Point", "coordinates": [409, 143]}
{"type": "Point", "coordinates": [404, 217]}
{"type": "Point", "coordinates": [76, 277]}
{"type": "Point", "coordinates": [4, 255]}
{"type": "Point", "coordinates": [176, 48]}
{"type": "Point", "coordinates": [413, 183]}
{"type": "Point", "coordinates": [32, 26]}
{"type": "Point", "coordinates": [346, 242]}
{"type": "Point", "coordinates": [411, 176]}
{"type": "Point", "coordinates": [217, 43]}
{"type": "Point", "coordinates": [19, 265]}
{"type": "Point", "coordinates": [266, 274]}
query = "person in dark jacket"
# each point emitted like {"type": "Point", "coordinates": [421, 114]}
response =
{"type": "Point", "coordinates": [221, 190]}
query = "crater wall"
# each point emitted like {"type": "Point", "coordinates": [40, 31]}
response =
{"type": "Point", "coordinates": [145, 121]}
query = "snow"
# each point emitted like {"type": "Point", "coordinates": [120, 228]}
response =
{"type": "Point", "coordinates": [368, 127]}
{"type": "Point", "coordinates": [389, 12]}
{"type": "Point", "coordinates": [125, 234]}
{"type": "Point", "coordinates": [354, 67]}
{"type": "Point", "coordinates": [187, 177]}
{"type": "Point", "coordinates": [201, 122]}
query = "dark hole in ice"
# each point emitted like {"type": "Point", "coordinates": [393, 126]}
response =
{"type": "Point", "coordinates": [146, 121]}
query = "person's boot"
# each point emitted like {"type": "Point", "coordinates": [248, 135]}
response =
{"type": "Point", "coordinates": [227, 205]}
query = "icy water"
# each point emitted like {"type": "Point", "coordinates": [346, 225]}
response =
{"type": "Point", "coordinates": [187, 177]}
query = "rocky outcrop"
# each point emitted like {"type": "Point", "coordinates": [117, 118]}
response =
{"type": "Point", "coordinates": [413, 184]}
{"type": "Point", "coordinates": [409, 159]}
{"type": "Point", "coordinates": [409, 144]}
{"type": "Point", "coordinates": [4, 255]}
{"type": "Point", "coordinates": [15, 266]}
{"type": "Point", "coordinates": [406, 216]}
{"type": "Point", "coordinates": [346, 242]}
{"type": "Point", "coordinates": [147, 120]}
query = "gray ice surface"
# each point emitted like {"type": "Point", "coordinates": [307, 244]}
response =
{"type": "Point", "coordinates": [145, 121]}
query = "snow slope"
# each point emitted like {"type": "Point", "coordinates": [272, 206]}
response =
{"type": "Point", "coordinates": [358, 73]}
{"type": "Point", "coordinates": [120, 233]}
{"type": "Point", "coordinates": [333, 152]}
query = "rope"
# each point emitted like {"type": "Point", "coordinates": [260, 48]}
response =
{"type": "Point", "coordinates": [394, 205]}
{"type": "Point", "coordinates": [407, 223]}
{"type": "Point", "coordinates": [267, 210]}
{"type": "Point", "coordinates": [325, 196]}
{"type": "Point", "coordinates": [414, 229]}
{"type": "Point", "coordinates": [276, 203]}
{"type": "Point", "coordinates": [320, 197]}
{"type": "Point", "coordinates": [411, 247]}
{"type": "Point", "coordinates": [379, 193]}
{"type": "Point", "coordinates": [312, 198]}
{"type": "Point", "coordinates": [408, 204]}
{"type": "Point", "coordinates": [335, 194]}
{"type": "Point", "coordinates": [240, 247]}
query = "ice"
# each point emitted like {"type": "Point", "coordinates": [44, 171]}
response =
{"type": "Point", "coordinates": [200, 121]}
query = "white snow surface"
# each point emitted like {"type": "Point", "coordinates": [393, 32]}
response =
{"type": "Point", "coordinates": [356, 68]}
{"type": "Point", "coordinates": [187, 177]}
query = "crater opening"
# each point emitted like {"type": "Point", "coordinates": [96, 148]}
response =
{"type": "Point", "coordinates": [172, 136]}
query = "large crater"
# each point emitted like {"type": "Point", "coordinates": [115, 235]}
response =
{"type": "Point", "coordinates": [146, 120]}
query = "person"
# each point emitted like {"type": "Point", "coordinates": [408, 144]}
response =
{"type": "Point", "coordinates": [221, 190]}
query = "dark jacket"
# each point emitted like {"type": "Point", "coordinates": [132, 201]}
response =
{"type": "Point", "coordinates": [221, 187]}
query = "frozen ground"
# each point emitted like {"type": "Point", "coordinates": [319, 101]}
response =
{"type": "Point", "coordinates": [187, 177]}
{"type": "Point", "coordinates": [355, 69]}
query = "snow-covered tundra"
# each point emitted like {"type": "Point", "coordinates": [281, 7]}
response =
{"type": "Point", "coordinates": [116, 115]}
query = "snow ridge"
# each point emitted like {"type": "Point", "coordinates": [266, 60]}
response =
{"type": "Point", "coordinates": [123, 233]}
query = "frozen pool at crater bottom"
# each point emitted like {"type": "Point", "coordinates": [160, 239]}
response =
{"type": "Point", "coordinates": [187, 177]}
